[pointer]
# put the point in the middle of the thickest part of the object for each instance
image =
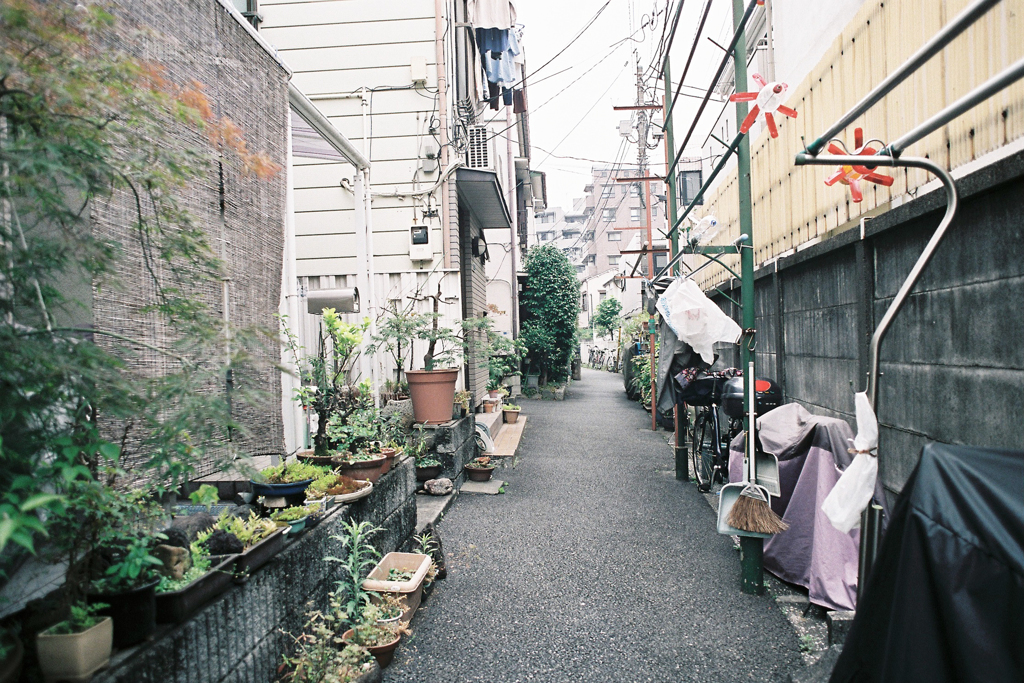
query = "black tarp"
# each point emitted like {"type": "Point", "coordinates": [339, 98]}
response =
{"type": "Point", "coordinates": [945, 599]}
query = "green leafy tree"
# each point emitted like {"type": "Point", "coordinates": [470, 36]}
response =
{"type": "Point", "coordinates": [550, 303]}
{"type": "Point", "coordinates": [606, 318]}
{"type": "Point", "coordinates": [87, 129]}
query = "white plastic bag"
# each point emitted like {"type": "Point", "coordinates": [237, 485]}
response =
{"type": "Point", "coordinates": [696, 319]}
{"type": "Point", "coordinates": [853, 491]}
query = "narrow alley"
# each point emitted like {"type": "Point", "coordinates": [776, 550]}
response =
{"type": "Point", "coordinates": [595, 565]}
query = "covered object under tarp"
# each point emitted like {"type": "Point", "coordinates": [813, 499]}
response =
{"type": "Point", "coordinates": [945, 597]}
{"type": "Point", "coordinates": [812, 451]}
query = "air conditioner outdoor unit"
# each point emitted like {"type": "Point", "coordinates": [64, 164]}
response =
{"type": "Point", "coordinates": [478, 149]}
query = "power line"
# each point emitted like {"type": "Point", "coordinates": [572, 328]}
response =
{"type": "Point", "coordinates": [587, 113]}
{"type": "Point", "coordinates": [571, 42]}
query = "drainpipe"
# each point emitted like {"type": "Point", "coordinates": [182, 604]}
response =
{"type": "Point", "coordinates": [294, 421]}
{"type": "Point", "coordinates": [442, 116]}
{"type": "Point", "coordinates": [512, 207]}
{"type": "Point", "coordinates": [367, 227]}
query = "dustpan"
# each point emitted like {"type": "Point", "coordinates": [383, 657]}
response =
{"type": "Point", "coordinates": [730, 493]}
{"type": "Point", "coordinates": [767, 467]}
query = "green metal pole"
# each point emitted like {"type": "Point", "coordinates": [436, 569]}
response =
{"type": "Point", "coordinates": [670, 180]}
{"type": "Point", "coordinates": [751, 549]}
{"type": "Point", "coordinates": [682, 459]}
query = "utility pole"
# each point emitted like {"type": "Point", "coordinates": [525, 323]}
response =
{"type": "Point", "coordinates": [643, 128]}
{"type": "Point", "coordinates": [682, 462]}
{"type": "Point", "coordinates": [751, 549]}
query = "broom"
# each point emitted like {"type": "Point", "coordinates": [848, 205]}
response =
{"type": "Point", "coordinates": [751, 511]}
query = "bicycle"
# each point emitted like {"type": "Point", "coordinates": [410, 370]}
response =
{"type": "Point", "coordinates": [709, 451]}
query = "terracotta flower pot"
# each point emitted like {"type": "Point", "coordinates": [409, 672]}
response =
{"type": "Point", "coordinates": [427, 473]}
{"type": "Point", "coordinates": [511, 416]}
{"type": "Point", "coordinates": [76, 656]}
{"type": "Point", "coordinates": [479, 473]}
{"type": "Point", "coordinates": [488, 407]}
{"type": "Point", "coordinates": [382, 653]}
{"type": "Point", "coordinates": [433, 392]}
{"type": "Point", "coordinates": [370, 470]}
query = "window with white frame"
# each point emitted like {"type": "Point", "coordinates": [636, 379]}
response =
{"type": "Point", "coordinates": [634, 190]}
{"type": "Point", "coordinates": [608, 215]}
{"type": "Point", "coordinates": [614, 236]}
{"type": "Point", "coordinates": [606, 191]}
{"type": "Point", "coordinates": [613, 260]}
{"type": "Point", "coordinates": [634, 213]}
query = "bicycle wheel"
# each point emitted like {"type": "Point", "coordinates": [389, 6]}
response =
{"type": "Point", "coordinates": [702, 452]}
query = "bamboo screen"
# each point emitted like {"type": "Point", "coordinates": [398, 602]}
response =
{"type": "Point", "coordinates": [791, 205]}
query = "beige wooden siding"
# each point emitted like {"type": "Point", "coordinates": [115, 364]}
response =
{"type": "Point", "coordinates": [791, 205]}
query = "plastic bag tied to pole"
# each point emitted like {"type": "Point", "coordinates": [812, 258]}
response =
{"type": "Point", "coordinates": [696, 319]}
{"type": "Point", "coordinates": [852, 493]}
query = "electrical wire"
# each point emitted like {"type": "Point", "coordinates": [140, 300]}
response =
{"type": "Point", "coordinates": [571, 42]}
{"type": "Point", "coordinates": [585, 114]}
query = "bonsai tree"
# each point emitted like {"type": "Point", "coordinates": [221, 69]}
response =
{"type": "Point", "coordinates": [326, 377]}
{"type": "Point", "coordinates": [550, 303]}
{"type": "Point", "coordinates": [606, 319]}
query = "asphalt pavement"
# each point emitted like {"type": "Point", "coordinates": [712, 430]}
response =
{"type": "Point", "coordinates": [595, 565]}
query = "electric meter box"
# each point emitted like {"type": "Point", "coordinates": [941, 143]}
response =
{"type": "Point", "coordinates": [420, 248]}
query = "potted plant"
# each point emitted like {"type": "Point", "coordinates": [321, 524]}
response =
{"type": "Point", "coordinates": [208, 576]}
{"type": "Point", "coordinates": [77, 647]}
{"type": "Point", "coordinates": [337, 488]}
{"type": "Point", "coordinates": [128, 589]}
{"type": "Point", "coordinates": [462, 401]}
{"type": "Point", "coordinates": [261, 539]}
{"type": "Point", "coordinates": [326, 388]}
{"type": "Point", "coordinates": [318, 659]}
{"type": "Point", "coordinates": [428, 468]}
{"type": "Point", "coordinates": [294, 517]}
{"type": "Point", "coordinates": [480, 469]}
{"type": "Point", "coordinates": [362, 465]}
{"type": "Point", "coordinates": [380, 639]}
{"type": "Point", "coordinates": [510, 412]}
{"type": "Point", "coordinates": [433, 388]}
{"type": "Point", "coordinates": [401, 574]}
{"type": "Point", "coordinates": [286, 479]}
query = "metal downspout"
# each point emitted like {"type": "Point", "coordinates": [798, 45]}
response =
{"type": "Point", "coordinates": [442, 116]}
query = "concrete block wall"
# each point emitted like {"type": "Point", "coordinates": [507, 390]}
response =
{"type": "Point", "coordinates": [953, 361]}
{"type": "Point", "coordinates": [454, 444]}
{"type": "Point", "coordinates": [237, 638]}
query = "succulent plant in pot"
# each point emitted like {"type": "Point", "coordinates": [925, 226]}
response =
{"type": "Point", "coordinates": [295, 517]}
{"type": "Point", "coordinates": [480, 469]}
{"type": "Point", "coordinates": [510, 413]}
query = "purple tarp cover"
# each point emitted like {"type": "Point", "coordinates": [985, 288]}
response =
{"type": "Point", "coordinates": [812, 452]}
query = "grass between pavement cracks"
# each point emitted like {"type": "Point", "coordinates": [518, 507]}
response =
{"type": "Point", "coordinates": [595, 565]}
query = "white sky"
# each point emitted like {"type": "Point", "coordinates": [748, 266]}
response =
{"type": "Point", "coordinates": [550, 25]}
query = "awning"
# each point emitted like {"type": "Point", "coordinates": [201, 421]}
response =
{"type": "Point", "coordinates": [480, 192]}
{"type": "Point", "coordinates": [314, 136]}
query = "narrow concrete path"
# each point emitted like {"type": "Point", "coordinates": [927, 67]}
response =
{"type": "Point", "coordinates": [595, 565]}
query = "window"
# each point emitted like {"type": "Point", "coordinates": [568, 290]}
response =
{"type": "Point", "coordinates": [660, 261]}
{"type": "Point", "coordinates": [608, 215]}
{"type": "Point", "coordinates": [614, 236]}
{"type": "Point", "coordinates": [614, 260]}
{"type": "Point", "coordinates": [583, 301]}
{"type": "Point", "coordinates": [546, 217]}
{"type": "Point", "coordinates": [591, 260]}
{"type": "Point", "coordinates": [601, 295]}
{"type": "Point", "coordinates": [606, 191]}
{"type": "Point", "coordinates": [579, 269]}
{"type": "Point", "coordinates": [634, 213]}
{"type": "Point", "coordinates": [689, 185]}
{"type": "Point", "coordinates": [634, 190]}
{"type": "Point", "coordinates": [654, 209]}
{"type": "Point", "coordinates": [544, 236]}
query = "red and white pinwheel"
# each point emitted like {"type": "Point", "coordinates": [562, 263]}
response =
{"type": "Point", "coordinates": [768, 100]}
{"type": "Point", "coordinates": [852, 175]}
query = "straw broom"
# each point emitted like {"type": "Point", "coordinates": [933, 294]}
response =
{"type": "Point", "coordinates": [751, 511]}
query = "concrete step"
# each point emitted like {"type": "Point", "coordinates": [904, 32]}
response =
{"type": "Point", "coordinates": [493, 422]}
{"type": "Point", "coordinates": [507, 442]}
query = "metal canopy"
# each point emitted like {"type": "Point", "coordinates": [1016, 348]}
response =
{"type": "Point", "coordinates": [480, 192]}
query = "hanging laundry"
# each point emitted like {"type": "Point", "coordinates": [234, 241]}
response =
{"type": "Point", "coordinates": [519, 101]}
{"type": "Point", "coordinates": [498, 50]}
{"type": "Point", "coordinates": [500, 14]}
{"type": "Point", "coordinates": [493, 93]}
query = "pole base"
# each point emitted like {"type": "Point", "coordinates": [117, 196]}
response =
{"type": "Point", "coordinates": [752, 565]}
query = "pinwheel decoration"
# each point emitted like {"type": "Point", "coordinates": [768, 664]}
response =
{"type": "Point", "coordinates": [767, 100]}
{"type": "Point", "coordinates": [852, 175]}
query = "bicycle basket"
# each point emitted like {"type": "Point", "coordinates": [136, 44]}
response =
{"type": "Point", "coordinates": [702, 390]}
